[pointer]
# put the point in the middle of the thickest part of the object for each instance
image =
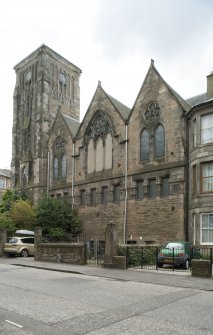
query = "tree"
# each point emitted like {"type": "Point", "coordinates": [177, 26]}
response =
{"type": "Point", "coordinates": [56, 217]}
{"type": "Point", "coordinates": [22, 214]}
{"type": "Point", "coordinates": [9, 196]}
{"type": "Point", "coordinates": [7, 223]}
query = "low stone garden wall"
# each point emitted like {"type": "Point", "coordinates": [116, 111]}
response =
{"type": "Point", "coordinates": [60, 253]}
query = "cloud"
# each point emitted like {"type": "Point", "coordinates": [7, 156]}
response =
{"type": "Point", "coordinates": [110, 40]}
{"type": "Point", "coordinates": [160, 27]}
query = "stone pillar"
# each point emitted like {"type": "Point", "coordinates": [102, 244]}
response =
{"type": "Point", "coordinates": [110, 243]}
{"type": "Point", "coordinates": [3, 238]}
{"type": "Point", "coordinates": [201, 268]}
{"type": "Point", "coordinates": [38, 239]}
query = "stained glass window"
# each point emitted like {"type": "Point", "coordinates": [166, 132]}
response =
{"type": "Point", "coordinates": [63, 167]}
{"type": "Point", "coordinates": [144, 145]}
{"type": "Point", "coordinates": [159, 141]}
{"type": "Point", "coordinates": [55, 168]}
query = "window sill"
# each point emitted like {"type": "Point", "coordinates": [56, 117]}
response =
{"type": "Point", "coordinates": [209, 244]}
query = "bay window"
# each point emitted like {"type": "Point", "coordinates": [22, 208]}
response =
{"type": "Point", "coordinates": [207, 128]}
{"type": "Point", "coordinates": [207, 228]}
{"type": "Point", "coordinates": [207, 177]}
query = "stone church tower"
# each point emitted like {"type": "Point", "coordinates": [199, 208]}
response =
{"type": "Point", "coordinates": [45, 83]}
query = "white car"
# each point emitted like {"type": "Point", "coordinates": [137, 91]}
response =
{"type": "Point", "coordinates": [22, 246]}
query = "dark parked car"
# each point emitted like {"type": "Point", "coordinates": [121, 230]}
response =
{"type": "Point", "coordinates": [178, 253]}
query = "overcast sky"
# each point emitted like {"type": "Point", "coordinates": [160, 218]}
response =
{"type": "Point", "coordinates": [109, 40]}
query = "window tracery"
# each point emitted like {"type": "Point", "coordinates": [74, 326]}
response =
{"type": "Point", "coordinates": [99, 126]}
{"type": "Point", "coordinates": [59, 159]}
{"type": "Point", "coordinates": [152, 111]}
{"type": "Point", "coordinates": [59, 143]}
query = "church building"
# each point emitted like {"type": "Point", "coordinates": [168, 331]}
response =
{"type": "Point", "coordinates": [148, 169]}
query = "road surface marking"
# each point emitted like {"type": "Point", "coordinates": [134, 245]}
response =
{"type": "Point", "coordinates": [14, 324]}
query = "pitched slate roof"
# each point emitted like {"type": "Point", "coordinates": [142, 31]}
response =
{"type": "Point", "coordinates": [5, 173]}
{"type": "Point", "coordinates": [72, 124]}
{"type": "Point", "coordinates": [198, 99]}
{"type": "Point", "coordinates": [123, 110]}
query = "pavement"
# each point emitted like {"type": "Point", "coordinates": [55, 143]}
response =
{"type": "Point", "coordinates": [158, 277]}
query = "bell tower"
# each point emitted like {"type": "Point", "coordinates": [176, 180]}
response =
{"type": "Point", "coordinates": [45, 82]}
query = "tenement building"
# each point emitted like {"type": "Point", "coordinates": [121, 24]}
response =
{"type": "Point", "coordinates": [148, 169]}
{"type": "Point", "coordinates": [4, 181]}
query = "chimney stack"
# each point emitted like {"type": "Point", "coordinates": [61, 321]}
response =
{"type": "Point", "coordinates": [210, 86]}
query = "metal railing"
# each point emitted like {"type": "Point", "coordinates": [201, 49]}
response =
{"type": "Point", "coordinates": [155, 258]}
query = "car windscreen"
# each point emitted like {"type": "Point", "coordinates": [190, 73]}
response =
{"type": "Point", "coordinates": [173, 245]}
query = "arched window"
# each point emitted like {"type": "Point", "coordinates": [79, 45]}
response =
{"type": "Point", "coordinates": [108, 152]}
{"type": "Point", "coordinates": [99, 155]}
{"type": "Point", "coordinates": [24, 176]}
{"type": "Point", "coordinates": [98, 139]}
{"type": "Point", "coordinates": [159, 141]}
{"type": "Point", "coordinates": [144, 145]}
{"type": "Point", "coordinates": [91, 157]}
{"type": "Point", "coordinates": [63, 166]}
{"type": "Point", "coordinates": [55, 168]}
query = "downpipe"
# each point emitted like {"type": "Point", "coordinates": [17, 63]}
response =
{"type": "Point", "coordinates": [48, 172]}
{"type": "Point", "coordinates": [125, 184]}
{"type": "Point", "coordinates": [73, 173]}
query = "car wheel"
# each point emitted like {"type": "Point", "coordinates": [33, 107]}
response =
{"type": "Point", "coordinates": [24, 253]}
{"type": "Point", "coordinates": [186, 265]}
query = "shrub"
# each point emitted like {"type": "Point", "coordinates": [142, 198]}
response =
{"type": "Point", "coordinates": [56, 217]}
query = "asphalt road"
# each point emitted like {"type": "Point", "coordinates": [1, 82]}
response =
{"type": "Point", "coordinates": [40, 302]}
